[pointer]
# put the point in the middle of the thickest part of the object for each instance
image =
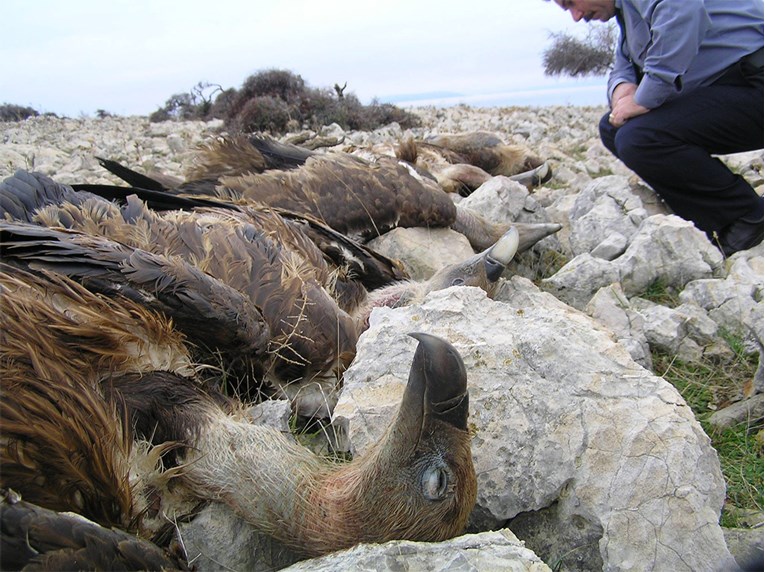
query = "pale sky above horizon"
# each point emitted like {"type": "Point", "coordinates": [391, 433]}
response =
{"type": "Point", "coordinates": [128, 57]}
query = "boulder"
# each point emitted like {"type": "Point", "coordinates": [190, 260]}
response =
{"type": "Point", "coordinates": [605, 207]}
{"type": "Point", "coordinates": [669, 249]}
{"type": "Point", "coordinates": [665, 248]}
{"type": "Point", "coordinates": [734, 302]}
{"type": "Point", "coordinates": [612, 308]}
{"type": "Point", "coordinates": [423, 251]}
{"type": "Point", "coordinates": [501, 199]}
{"type": "Point", "coordinates": [589, 458]}
{"type": "Point", "coordinates": [484, 552]}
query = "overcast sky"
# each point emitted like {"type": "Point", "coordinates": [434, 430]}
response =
{"type": "Point", "coordinates": [128, 57]}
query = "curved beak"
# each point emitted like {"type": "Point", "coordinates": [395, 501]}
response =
{"type": "Point", "coordinates": [436, 390]}
{"type": "Point", "coordinates": [497, 257]}
{"type": "Point", "coordinates": [532, 232]}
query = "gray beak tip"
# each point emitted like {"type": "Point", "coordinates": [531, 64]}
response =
{"type": "Point", "coordinates": [443, 371]}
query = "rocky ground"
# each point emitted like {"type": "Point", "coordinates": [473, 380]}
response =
{"type": "Point", "coordinates": [580, 299]}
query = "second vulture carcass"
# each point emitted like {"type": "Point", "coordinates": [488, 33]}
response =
{"type": "Point", "coordinates": [360, 198]}
{"type": "Point", "coordinates": [103, 415]}
{"type": "Point", "coordinates": [249, 287]}
{"type": "Point", "coordinates": [462, 162]}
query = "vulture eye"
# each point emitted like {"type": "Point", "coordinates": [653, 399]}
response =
{"type": "Point", "coordinates": [435, 483]}
{"type": "Point", "coordinates": [458, 282]}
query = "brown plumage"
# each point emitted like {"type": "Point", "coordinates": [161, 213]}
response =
{"type": "Point", "coordinates": [484, 150]}
{"type": "Point", "coordinates": [103, 415]}
{"type": "Point", "coordinates": [64, 446]}
{"type": "Point", "coordinates": [463, 162]}
{"type": "Point", "coordinates": [262, 296]}
{"type": "Point", "coordinates": [353, 196]}
{"type": "Point", "coordinates": [273, 273]}
{"type": "Point", "coordinates": [358, 197]}
{"type": "Point", "coordinates": [35, 538]}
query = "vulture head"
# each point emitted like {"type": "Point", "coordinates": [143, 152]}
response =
{"type": "Point", "coordinates": [423, 465]}
{"type": "Point", "coordinates": [416, 483]}
{"type": "Point", "coordinates": [482, 270]}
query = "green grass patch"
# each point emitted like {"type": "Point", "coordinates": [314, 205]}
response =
{"type": "Point", "coordinates": [550, 261]}
{"type": "Point", "coordinates": [577, 152]}
{"type": "Point", "coordinates": [707, 387]}
{"type": "Point", "coordinates": [602, 173]}
{"type": "Point", "coordinates": [661, 293]}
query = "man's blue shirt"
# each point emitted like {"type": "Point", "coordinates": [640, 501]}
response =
{"type": "Point", "coordinates": [680, 45]}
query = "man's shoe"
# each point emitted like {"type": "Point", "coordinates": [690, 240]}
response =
{"type": "Point", "coordinates": [740, 235]}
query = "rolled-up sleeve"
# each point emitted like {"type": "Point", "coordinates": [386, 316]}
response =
{"type": "Point", "coordinates": [677, 29]}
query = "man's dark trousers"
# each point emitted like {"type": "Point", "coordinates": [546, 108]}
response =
{"type": "Point", "coordinates": [669, 148]}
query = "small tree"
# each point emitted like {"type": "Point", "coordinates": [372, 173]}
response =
{"type": "Point", "coordinates": [575, 57]}
{"type": "Point", "coordinates": [196, 104]}
{"type": "Point", "coordinates": [202, 95]}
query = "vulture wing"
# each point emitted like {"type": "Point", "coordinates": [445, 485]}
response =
{"type": "Point", "coordinates": [210, 312]}
{"type": "Point", "coordinates": [35, 538]}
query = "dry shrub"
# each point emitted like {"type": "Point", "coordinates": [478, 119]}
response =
{"type": "Point", "coordinates": [11, 112]}
{"type": "Point", "coordinates": [276, 100]}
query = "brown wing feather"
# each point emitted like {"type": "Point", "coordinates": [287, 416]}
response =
{"type": "Point", "coordinates": [484, 150]}
{"type": "Point", "coordinates": [352, 196]}
{"type": "Point", "coordinates": [225, 157]}
{"type": "Point", "coordinates": [62, 444]}
{"type": "Point", "coordinates": [35, 538]}
{"type": "Point", "coordinates": [81, 377]}
{"type": "Point", "coordinates": [280, 272]}
{"type": "Point", "coordinates": [208, 310]}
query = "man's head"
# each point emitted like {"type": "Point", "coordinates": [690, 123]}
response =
{"type": "Point", "coordinates": [587, 10]}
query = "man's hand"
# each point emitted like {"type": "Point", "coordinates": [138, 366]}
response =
{"type": "Point", "coordinates": [622, 90]}
{"type": "Point", "coordinates": [623, 105]}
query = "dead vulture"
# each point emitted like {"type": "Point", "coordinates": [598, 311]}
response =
{"type": "Point", "coordinates": [357, 197]}
{"type": "Point", "coordinates": [103, 415]}
{"type": "Point", "coordinates": [269, 296]}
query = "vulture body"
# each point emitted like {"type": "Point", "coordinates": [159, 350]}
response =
{"type": "Point", "coordinates": [484, 150]}
{"type": "Point", "coordinates": [357, 197]}
{"type": "Point", "coordinates": [463, 162]}
{"type": "Point", "coordinates": [259, 292]}
{"type": "Point", "coordinates": [103, 415]}
{"type": "Point", "coordinates": [36, 538]}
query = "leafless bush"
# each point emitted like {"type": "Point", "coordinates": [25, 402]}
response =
{"type": "Point", "coordinates": [196, 104]}
{"type": "Point", "coordinates": [593, 55]}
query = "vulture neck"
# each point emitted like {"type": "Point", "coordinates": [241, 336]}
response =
{"type": "Point", "coordinates": [280, 487]}
{"type": "Point", "coordinates": [394, 295]}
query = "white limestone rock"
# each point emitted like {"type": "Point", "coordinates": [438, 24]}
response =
{"type": "Point", "coordinates": [734, 302]}
{"type": "Point", "coordinates": [605, 207]}
{"type": "Point", "coordinates": [612, 308]}
{"type": "Point", "coordinates": [610, 247]}
{"type": "Point", "coordinates": [569, 430]}
{"type": "Point", "coordinates": [581, 278]}
{"type": "Point", "coordinates": [484, 552]}
{"type": "Point", "coordinates": [500, 199]}
{"type": "Point", "coordinates": [665, 248]}
{"type": "Point", "coordinates": [669, 249]}
{"type": "Point", "coordinates": [423, 251]}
